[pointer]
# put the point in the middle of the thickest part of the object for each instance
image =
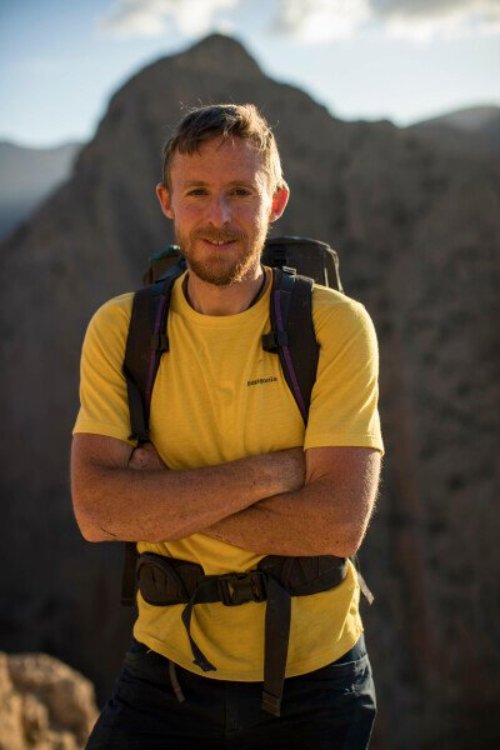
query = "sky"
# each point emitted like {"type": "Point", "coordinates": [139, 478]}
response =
{"type": "Point", "coordinates": [402, 60]}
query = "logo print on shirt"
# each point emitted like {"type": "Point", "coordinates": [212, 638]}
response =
{"type": "Point", "coordinates": [262, 381]}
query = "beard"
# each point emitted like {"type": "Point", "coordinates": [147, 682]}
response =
{"type": "Point", "coordinates": [222, 267]}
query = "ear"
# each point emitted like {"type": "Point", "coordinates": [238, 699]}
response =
{"type": "Point", "coordinates": [163, 195]}
{"type": "Point", "coordinates": [280, 199]}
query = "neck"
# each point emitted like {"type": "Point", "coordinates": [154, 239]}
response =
{"type": "Point", "coordinates": [209, 299]}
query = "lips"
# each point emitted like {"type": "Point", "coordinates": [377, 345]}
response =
{"type": "Point", "coordinates": [219, 243]}
{"type": "Point", "coordinates": [218, 238]}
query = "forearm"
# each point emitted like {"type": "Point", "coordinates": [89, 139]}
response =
{"type": "Point", "coordinates": [321, 518]}
{"type": "Point", "coordinates": [297, 524]}
{"type": "Point", "coordinates": [121, 503]}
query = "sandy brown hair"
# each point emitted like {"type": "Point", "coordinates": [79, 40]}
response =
{"type": "Point", "coordinates": [224, 121]}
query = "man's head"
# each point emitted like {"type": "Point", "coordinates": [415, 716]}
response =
{"type": "Point", "coordinates": [225, 121]}
{"type": "Point", "coordinates": [222, 187]}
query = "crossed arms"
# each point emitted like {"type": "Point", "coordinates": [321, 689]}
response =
{"type": "Point", "coordinates": [287, 503]}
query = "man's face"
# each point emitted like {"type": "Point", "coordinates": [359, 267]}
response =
{"type": "Point", "coordinates": [221, 203]}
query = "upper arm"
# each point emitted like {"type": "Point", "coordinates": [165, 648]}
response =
{"type": "Point", "coordinates": [344, 402]}
{"type": "Point", "coordinates": [346, 479]}
{"type": "Point", "coordinates": [90, 455]}
{"type": "Point", "coordinates": [343, 464]}
{"type": "Point", "coordinates": [104, 408]}
{"type": "Point", "coordinates": [343, 442]}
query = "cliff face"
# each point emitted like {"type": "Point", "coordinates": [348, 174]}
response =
{"type": "Point", "coordinates": [27, 176]}
{"type": "Point", "coordinates": [43, 704]}
{"type": "Point", "coordinates": [418, 228]}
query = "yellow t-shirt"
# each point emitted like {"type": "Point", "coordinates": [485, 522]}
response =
{"type": "Point", "coordinates": [218, 396]}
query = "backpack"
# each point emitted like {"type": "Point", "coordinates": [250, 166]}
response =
{"type": "Point", "coordinates": [296, 264]}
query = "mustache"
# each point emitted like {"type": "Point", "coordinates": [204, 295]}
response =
{"type": "Point", "coordinates": [218, 235]}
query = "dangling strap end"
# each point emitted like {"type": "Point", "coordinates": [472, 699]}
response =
{"type": "Point", "coordinates": [175, 682]}
{"type": "Point", "coordinates": [204, 664]}
{"type": "Point", "coordinates": [271, 704]}
{"type": "Point", "coordinates": [200, 659]}
{"type": "Point", "coordinates": [365, 590]}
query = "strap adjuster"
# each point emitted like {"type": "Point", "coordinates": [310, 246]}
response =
{"type": "Point", "coordinates": [239, 588]}
{"type": "Point", "coordinates": [140, 437]}
{"type": "Point", "coordinates": [274, 340]}
{"type": "Point", "coordinates": [159, 343]}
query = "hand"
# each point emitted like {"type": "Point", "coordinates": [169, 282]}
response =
{"type": "Point", "coordinates": [145, 458]}
{"type": "Point", "coordinates": [292, 468]}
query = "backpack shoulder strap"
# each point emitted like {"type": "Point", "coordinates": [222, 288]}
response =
{"type": "Point", "coordinates": [146, 342]}
{"type": "Point", "coordinates": [293, 338]}
{"type": "Point", "coordinates": [292, 334]}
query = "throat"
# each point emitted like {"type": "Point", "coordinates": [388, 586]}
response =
{"type": "Point", "coordinates": [209, 299]}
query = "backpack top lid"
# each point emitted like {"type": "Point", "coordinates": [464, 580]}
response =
{"type": "Point", "coordinates": [307, 257]}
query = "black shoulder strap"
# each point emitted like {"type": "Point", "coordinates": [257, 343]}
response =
{"type": "Point", "coordinates": [147, 340]}
{"type": "Point", "coordinates": [293, 338]}
{"type": "Point", "coordinates": [292, 334]}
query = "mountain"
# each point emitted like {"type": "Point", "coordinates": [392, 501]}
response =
{"type": "Point", "coordinates": [417, 227]}
{"type": "Point", "coordinates": [27, 176]}
{"type": "Point", "coordinates": [477, 128]}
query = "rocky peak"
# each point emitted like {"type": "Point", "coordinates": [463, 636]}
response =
{"type": "Point", "coordinates": [217, 54]}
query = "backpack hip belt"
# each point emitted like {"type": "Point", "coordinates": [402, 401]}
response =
{"type": "Point", "coordinates": [165, 581]}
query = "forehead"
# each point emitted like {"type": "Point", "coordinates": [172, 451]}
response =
{"type": "Point", "coordinates": [220, 159]}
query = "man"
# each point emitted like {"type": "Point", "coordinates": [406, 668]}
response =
{"type": "Point", "coordinates": [231, 475]}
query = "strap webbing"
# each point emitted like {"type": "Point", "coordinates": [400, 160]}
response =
{"type": "Point", "coordinates": [292, 335]}
{"type": "Point", "coordinates": [277, 637]}
{"type": "Point", "coordinates": [130, 557]}
{"type": "Point", "coordinates": [147, 324]}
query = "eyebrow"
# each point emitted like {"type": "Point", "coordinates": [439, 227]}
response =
{"type": "Point", "coordinates": [204, 183]}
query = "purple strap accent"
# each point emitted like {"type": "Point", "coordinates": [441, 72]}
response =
{"type": "Point", "coordinates": [288, 359]}
{"type": "Point", "coordinates": [153, 355]}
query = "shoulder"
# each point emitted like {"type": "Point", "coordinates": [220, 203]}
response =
{"type": "Point", "coordinates": [116, 308]}
{"type": "Point", "coordinates": [108, 327]}
{"type": "Point", "coordinates": [114, 313]}
{"type": "Point", "coordinates": [336, 312]}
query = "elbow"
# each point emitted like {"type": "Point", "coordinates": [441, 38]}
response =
{"type": "Point", "coordinates": [345, 544]}
{"type": "Point", "coordinates": [91, 535]}
{"type": "Point", "coordinates": [89, 528]}
{"type": "Point", "coordinates": [89, 531]}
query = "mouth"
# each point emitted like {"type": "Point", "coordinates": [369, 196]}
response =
{"type": "Point", "coordinates": [219, 244]}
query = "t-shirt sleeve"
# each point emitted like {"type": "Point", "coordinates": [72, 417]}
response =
{"type": "Point", "coordinates": [103, 391]}
{"type": "Point", "coordinates": [344, 401]}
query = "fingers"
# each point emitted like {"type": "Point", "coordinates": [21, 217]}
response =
{"type": "Point", "coordinates": [145, 458]}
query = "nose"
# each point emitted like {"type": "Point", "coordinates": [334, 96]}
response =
{"type": "Point", "coordinates": [219, 211]}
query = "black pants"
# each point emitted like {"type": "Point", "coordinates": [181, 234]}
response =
{"type": "Point", "coordinates": [333, 707]}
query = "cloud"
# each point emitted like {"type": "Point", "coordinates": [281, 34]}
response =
{"type": "Point", "coordinates": [155, 17]}
{"type": "Point", "coordinates": [426, 19]}
{"type": "Point", "coordinates": [308, 21]}
{"type": "Point", "coordinates": [324, 20]}
{"type": "Point", "coordinates": [320, 20]}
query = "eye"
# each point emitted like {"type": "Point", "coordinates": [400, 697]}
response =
{"type": "Point", "coordinates": [241, 191]}
{"type": "Point", "coordinates": [197, 191]}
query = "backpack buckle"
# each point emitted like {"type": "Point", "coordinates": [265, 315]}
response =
{"type": "Point", "coordinates": [239, 588]}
